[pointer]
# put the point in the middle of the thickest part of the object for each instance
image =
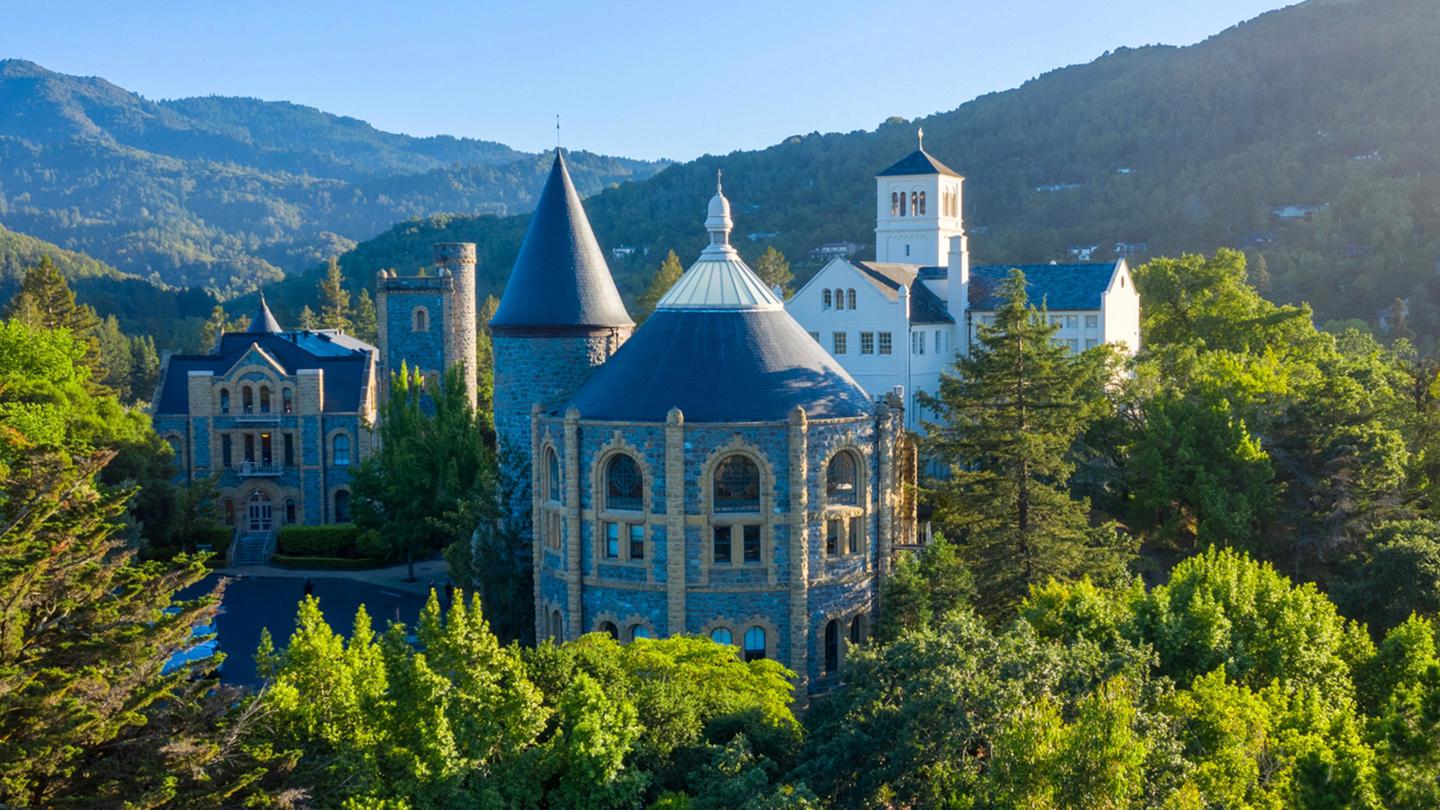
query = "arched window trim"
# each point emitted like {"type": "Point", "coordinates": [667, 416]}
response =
{"type": "Point", "coordinates": [735, 477]}
{"type": "Point", "coordinates": [826, 302]}
{"type": "Point", "coordinates": [850, 298]}
{"type": "Point", "coordinates": [921, 210]}
{"type": "Point", "coordinates": [842, 484]}
{"type": "Point", "coordinates": [624, 483]}
{"type": "Point", "coordinates": [340, 448]}
{"type": "Point", "coordinates": [894, 203]}
{"type": "Point", "coordinates": [264, 399]}
{"type": "Point", "coordinates": [749, 648]}
{"type": "Point", "coordinates": [420, 319]}
{"type": "Point", "coordinates": [224, 400]}
{"type": "Point", "coordinates": [553, 476]}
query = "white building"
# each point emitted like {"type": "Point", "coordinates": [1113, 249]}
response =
{"type": "Point", "coordinates": [896, 323]}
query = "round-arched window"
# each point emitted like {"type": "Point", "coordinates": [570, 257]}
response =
{"type": "Point", "coordinates": [826, 300]}
{"type": "Point", "coordinates": [839, 299]}
{"type": "Point", "coordinates": [610, 629]}
{"type": "Point", "coordinates": [420, 320]}
{"type": "Point", "coordinates": [557, 626]}
{"type": "Point", "coordinates": [754, 643]}
{"type": "Point", "coordinates": [721, 635]}
{"type": "Point", "coordinates": [247, 400]}
{"type": "Point", "coordinates": [287, 399]}
{"type": "Point", "coordinates": [224, 401]}
{"type": "Point", "coordinates": [894, 203]}
{"type": "Point", "coordinates": [921, 210]}
{"type": "Point", "coordinates": [624, 485]}
{"type": "Point", "coordinates": [342, 450]}
{"type": "Point", "coordinates": [832, 647]}
{"type": "Point", "coordinates": [842, 479]}
{"type": "Point", "coordinates": [552, 475]}
{"type": "Point", "coordinates": [638, 630]}
{"type": "Point", "coordinates": [857, 630]}
{"type": "Point", "coordinates": [264, 399]}
{"type": "Point", "coordinates": [737, 485]}
{"type": "Point", "coordinates": [850, 299]}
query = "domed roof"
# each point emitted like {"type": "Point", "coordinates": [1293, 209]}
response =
{"type": "Point", "coordinates": [721, 348]}
{"type": "Point", "coordinates": [560, 280]}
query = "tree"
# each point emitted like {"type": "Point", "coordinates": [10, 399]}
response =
{"type": "Point", "coordinates": [1009, 415]}
{"type": "Point", "coordinates": [923, 588]}
{"type": "Point", "coordinates": [46, 301]}
{"type": "Point", "coordinates": [366, 326]}
{"type": "Point", "coordinates": [1397, 574]}
{"type": "Point", "coordinates": [308, 319]}
{"type": "Point", "coordinates": [670, 272]}
{"type": "Point", "coordinates": [334, 298]}
{"type": "Point", "coordinates": [144, 368]}
{"type": "Point", "coordinates": [116, 357]}
{"type": "Point", "coordinates": [774, 270]}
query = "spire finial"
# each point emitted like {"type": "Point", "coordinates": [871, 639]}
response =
{"type": "Point", "coordinates": [719, 189]}
{"type": "Point", "coordinates": [920, 134]}
{"type": "Point", "coordinates": [557, 132]}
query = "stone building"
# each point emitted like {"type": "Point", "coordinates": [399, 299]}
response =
{"type": "Point", "coordinates": [720, 474]}
{"type": "Point", "coordinates": [428, 321]}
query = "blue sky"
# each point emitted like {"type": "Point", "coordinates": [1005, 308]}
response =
{"type": "Point", "coordinates": [645, 79]}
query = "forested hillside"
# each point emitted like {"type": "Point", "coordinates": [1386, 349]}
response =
{"type": "Point", "coordinates": [1330, 108]}
{"type": "Point", "coordinates": [229, 193]}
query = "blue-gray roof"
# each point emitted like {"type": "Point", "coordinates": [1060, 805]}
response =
{"type": "Point", "coordinates": [560, 279]}
{"type": "Point", "coordinates": [918, 162]}
{"type": "Point", "coordinates": [264, 320]}
{"type": "Point", "coordinates": [720, 366]}
{"type": "Point", "coordinates": [925, 305]}
{"type": "Point", "coordinates": [1057, 286]}
{"type": "Point", "coordinates": [344, 360]}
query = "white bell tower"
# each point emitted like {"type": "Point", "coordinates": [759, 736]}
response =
{"type": "Point", "coordinates": [918, 207]}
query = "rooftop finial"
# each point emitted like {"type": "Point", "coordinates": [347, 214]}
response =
{"type": "Point", "coordinates": [718, 188]}
{"type": "Point", "coordinates": [920, 134]}
{"type": "Point", "coordinates": [557, 132]}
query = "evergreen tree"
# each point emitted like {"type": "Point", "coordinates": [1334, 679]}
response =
{"type": "Point", "coordinates": [45, 300]}
{"type": "Point", "coordinates": [670, 272]}
{"type": "Point", "coordinates": [334, 298]}
{"type": "Point", "coordinates": [485, 363]}
{"type": "Point", "coordinates": [774, 270]}
{"type": "Point", "coordinates": [1010, 413]}
{"type": "Point", "coordinates": [117, 357]}
{"type": "Point", "coordinates": [144, 367]}
{"type": "Point", "coordinates": [308, 319]}
{"type": "Point", "coordinates": [366, 326]}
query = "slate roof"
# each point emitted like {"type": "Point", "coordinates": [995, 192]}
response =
{"type": "Point", "coordinates": [918, 162]}
{"type": "Point", "coordinates": [344, 359]}
{"type": "Point", "coordinates": [560, 279]}
{"type": "Point", "coordinates": [1058, 286]}
{"type": "Point", "coordinates": [751, 365]}
{"type": "Point", "coordinates": [925, 305]}
{"type": "Point", "coordinates": [264, 320]}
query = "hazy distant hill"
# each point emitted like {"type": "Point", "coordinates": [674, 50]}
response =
{"type": "Point", "coordinates": [230, 192]}
{"type": "Point", "coordinates": [1332, 107]}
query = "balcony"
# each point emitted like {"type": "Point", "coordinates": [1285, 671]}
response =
{"type": "Point", "coordinates": [260, 469]}
{"type": "Point", "coordinates": [258, 418]}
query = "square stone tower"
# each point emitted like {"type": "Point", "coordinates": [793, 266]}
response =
{"type": "Point", "coordinates": [428, 322]}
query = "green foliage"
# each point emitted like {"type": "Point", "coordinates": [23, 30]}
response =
{"type": "Point", "coordinates": [334, 299]}
{"type": "Point", "coordinates": [1008, 417]}
{"type": "Point", "coordinates": [660, 283]}
{"type": "Point", "coordinates": [335, 540]}
{"type": "Point", "coordinates": [923, 588]}
{"type": "Point", "coordinates": [774, 270]}
{"type": "Point", "coordinates": [364, 320]}
{"type": "Point", "coordinates": [1398, 573]}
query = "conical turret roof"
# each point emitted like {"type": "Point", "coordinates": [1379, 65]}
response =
{"type": "Point", "coordinates": [560, 280]}
{"type": "Point", "coordinates": [264, 321]}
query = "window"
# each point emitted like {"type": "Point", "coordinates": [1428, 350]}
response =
{"type": "Point", "coordinates": [832, 647]}
{"type": "Point", "coordinates": [624, 486]}
{"type": "Point", "coordinates": [721, 544]}
{"type": "Point", "coordinates": [837, 341]}
{"type": "Point", "coordinates": [885, 341]}
{"type": "Point", "coordinates": [342, 507]}
{"type": "Point", "coordinates": [1090, 343]}
{"type": "Point", "coordinates": [264, 399]}
{"type": "Point", "coordinates": [825, 299]}
{"type": "Point", "coordinates": [289, 450]}
{"type": "Point", "coordinates": [638, 631]}
{"type": "Point", "coordinates": [247, 400]}
{"type": "Point", "coordinates": [287, 400]}
{"type": "Point", "coordinates": [914, 205]}
{"type": "Point", "coordinates": [1073, 345]}
{"type": "Point", "coordinates": [552, 475]}
{"type": "Point", "coordinates": [867, 342]}
{"type": "Point", "coordinates": [225, 443]}
{"type": "Point", "coordinates": [921, 210]}
{"type": "Point", "coordinates": [937, 341]}
{"type": "Point", "coordinates": [755, 644]}
{"type": "Point", "coordinates": [721, 635]}
{"type": "Point", "coordinates": [609, 629]}
{"type": "Point", "coordinates": [857, 630]}
{"type": "Point", "coordinates": [839, 299]}
{"type": "Point", "coordinates": [612, 541]}
{"type": "Point", "coordinates": [1056, 320]}
{"type": "Point", "coordinates": [917, 342]}
{"type": "Point", "coordinates": [224, 401]}
{"type": "Point", "coordinates": [751, 540]}
{"type": "Point", "coordinates": [420, 320]}
{"type": "Point", "coordinates": [342, 450]}
{"type": "Point", "coordinates": [815, 336]}
{"type": "Point", "coordinates": [902, 203]}
{"type": "Point", "coordinates": [857, 531]}
{"type": "Point", "coordinates": [229, 512]}
{"type": "Point", "coordinates": [637, 541]}
{"type": "Point", "coordinates": [737, 485]}
{"type": "Point", "coordinates": [832, 536]}
{"type": "Point", "coordinates": [1072, 321]}
{"type": "Point", "coordinates": [249, 447]}
{"type": "Point", "coordinates": [552, 529]}
{"type": "Point", "coordinates": [894, 204]}
{"type": "Point", "coordinates": [557, 626]}
{"type": "Point", "coordinates": [850, 299]}
{"type": "Point", "coordinates": [842, 479]}
{"type": "Point", "coordinates": [289, 510]}
{"type": "Point", "coordinates": [1092, 321]}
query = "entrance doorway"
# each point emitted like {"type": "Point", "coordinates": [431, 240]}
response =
{"type": "Point", "coordinates": [261, 512]}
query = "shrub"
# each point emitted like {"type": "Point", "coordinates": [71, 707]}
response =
{"type": "Point", "coordinates": [319, 541]}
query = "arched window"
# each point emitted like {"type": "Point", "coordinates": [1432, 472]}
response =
{"type": "Point", "coordinates": [850, 299]}
{"type": "Point", "coordinates": [902, 203]}
{"type": "Point", "coordinates": [842, 479]}
{"type": "Point", "coordinates": [921, 210]}
{"type": "Point", "coordinates": [915, 203]}
{"type": "Point", "coordinates": [557, 626]}
{"type": "Point", "coordinates": [342, 506]}
{"type": "Point", "coordinates": [721, 635]}
{"type": "Point", "coordinates": [264, 399]}
{"type": "Point", "coordinates": [552, 475]}
{"type": "Point", "coordinates": [609, 629]}
{"type": "Point", "coordinates": [420, 320]}
{"type": "Point", "coordinates": [342, 450]}
{"type": "Point", "coordinates": [289, 510]}
{"type": "Point", "coordinates": [839, 299]}
{"type": "Point", "coordinates": [287, 400]}
{"type": "Point", "coordinates": [247, 400]}
{"type": "Point", "coordinates": [832, 647]}
{"type": "Point", "coordinates": [857, 630]}
{"type": "Point", "coordinates": [825, 300]}
{"type": "Point", "coordinates": [229, 512]}
{"type": "Point", "coordinates": [755, 643]}
{"type": "Point", "coordinates": [177, 456]}
{"type": "Point", "coordinates": [894, 203]}
{"type": "Point", "coordinates": [737, 485]}
{"type": "Point", "coordinates": [638, 630]}
{"type": "Point", "coordinates": [224, 400]}
{"type": "Point", "coordinates": [624, 485]}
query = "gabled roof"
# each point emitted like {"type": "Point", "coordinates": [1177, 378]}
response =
{"type": "Point", "coordinates": [888, 277]}
{"type": "Point", "coordinates": [560, 279]}
{"type": "Point", "coordinates": [918, 162]}
{"type": "Point", "coordinates": [1057, 286]}
{"type": "Point", "coordinates": [344, 359]}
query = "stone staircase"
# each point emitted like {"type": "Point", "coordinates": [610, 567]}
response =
{"type": "Point", "coordinates": [252, 548]}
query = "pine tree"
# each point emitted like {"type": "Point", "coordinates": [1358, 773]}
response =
{"type": "Point", "coordinates": [366, 325]}
{"type": "Point", "coordinates": [660, 283]}
{"type": "Point", "coordinates": [45, 300]}
{"type": "Point", "coordinates": [334, 298]}
{"type": "Point", "coordinates": [485, 366]}
{"type": "Point", "coordinates": [308, 319]}
{"type": "Point", "coordinates": [1010, 414]}
{"type": "Point", "coordinates": [774, 270]}
{"type": "Point", "coordinates": [144, 367]}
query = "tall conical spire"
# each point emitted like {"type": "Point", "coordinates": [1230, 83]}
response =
{"type": "Point", "coordinates": [264, 321]}
{"type": "Point", "coordinates": [560, 280]}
